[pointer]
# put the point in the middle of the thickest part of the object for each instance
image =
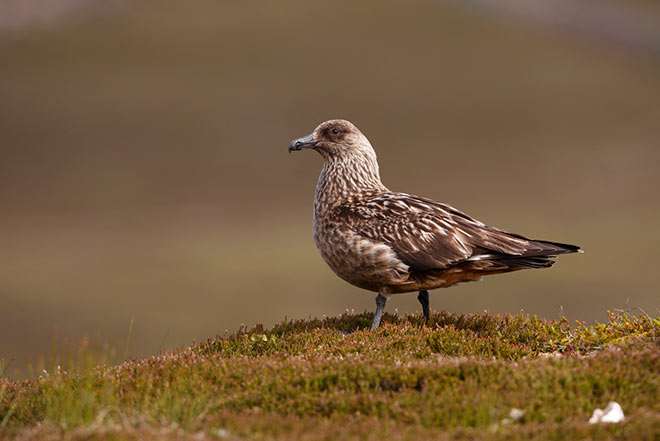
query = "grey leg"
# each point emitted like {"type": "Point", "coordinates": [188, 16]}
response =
{"type": "Point", "coordinates": [423, 298]}
{"type": "Point", "coordinates": [380, 306]}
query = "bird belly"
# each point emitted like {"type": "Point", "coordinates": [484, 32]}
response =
{"type": "Point", "coordinates": [360, 261]}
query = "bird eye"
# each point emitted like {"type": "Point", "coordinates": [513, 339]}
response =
{"type": "Point", "coordinates": [335, 131]}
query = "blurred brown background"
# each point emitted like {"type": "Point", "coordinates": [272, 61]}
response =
{"type": "Point", "coordinates": [144, 171]}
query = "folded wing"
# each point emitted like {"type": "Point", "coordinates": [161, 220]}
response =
{"type": "Point", "coordinates": [428, 235]}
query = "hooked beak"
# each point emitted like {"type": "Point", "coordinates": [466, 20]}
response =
{"type": "Point", "coordinates": [306, 142]}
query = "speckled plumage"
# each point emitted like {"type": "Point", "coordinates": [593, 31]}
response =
{"type": "Point", "coordinates": [391, 242]}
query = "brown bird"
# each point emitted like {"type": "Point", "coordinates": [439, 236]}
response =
{"type": "Point", "coordinates": [390, 242]}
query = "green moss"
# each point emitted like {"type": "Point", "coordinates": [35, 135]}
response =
{"type": "Point", "coordinates": [458, 377]}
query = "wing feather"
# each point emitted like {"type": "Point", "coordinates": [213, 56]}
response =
{"type": "Point", "coordinates": [427, 235]}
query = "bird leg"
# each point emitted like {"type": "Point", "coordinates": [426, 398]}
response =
{"type": "Point", "coordinates": [423, 298]}
{"type": "Point", "coordinates": [380, 307]}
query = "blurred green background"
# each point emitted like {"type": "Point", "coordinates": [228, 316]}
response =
{"type": "Point", "coordinates": [144, 171]}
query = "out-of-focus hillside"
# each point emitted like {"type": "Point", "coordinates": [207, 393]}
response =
{"type": "Point", "coordinates": [144, 171]}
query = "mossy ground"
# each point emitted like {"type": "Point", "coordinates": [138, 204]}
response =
{"type": "Point", "coordinates": [457, 378]}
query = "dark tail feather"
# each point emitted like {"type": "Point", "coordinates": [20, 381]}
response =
{"type": "Point", "coordinates": [550, 248]}
{"type": "Point", "coordinates": [545, 247]}
{"type": "Point", "coordinates": [539, 255]}
{"type": "Point", "coordinates": [514, 262]}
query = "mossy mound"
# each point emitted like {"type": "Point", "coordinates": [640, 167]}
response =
{"type": "Point", "coordinates": [458, 377]}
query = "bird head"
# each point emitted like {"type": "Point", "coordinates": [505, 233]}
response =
{"type": "Point", "coordinates": [334, 139]}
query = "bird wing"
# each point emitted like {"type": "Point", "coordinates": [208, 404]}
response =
{"type": "Point", "coordinates": [429, 235]}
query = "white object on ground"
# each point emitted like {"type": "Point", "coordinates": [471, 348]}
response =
{"type": "Point", "coordinates": [611, 414]}
{"type": "Point", "coordinates": [515, 416]}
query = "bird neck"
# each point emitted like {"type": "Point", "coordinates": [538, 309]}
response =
{"type": "Point", "coordinates": [346, 177]}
